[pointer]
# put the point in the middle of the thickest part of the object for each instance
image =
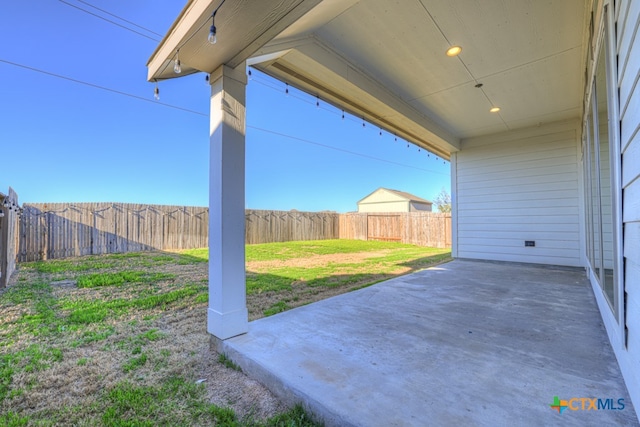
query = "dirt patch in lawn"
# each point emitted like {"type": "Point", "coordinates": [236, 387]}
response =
{"type": "Point", "coordinates": [317, 260]}
{"type": "Point", "coordinates": [79, 361]}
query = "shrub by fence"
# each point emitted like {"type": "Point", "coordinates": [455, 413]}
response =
{"type": "Point", "coordinates": [61, 230]}
{"type": "Point", "coordinates": [9, 209]}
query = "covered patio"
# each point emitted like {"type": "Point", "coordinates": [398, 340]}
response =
{"type": "Point", "coordinates": [464, 343]}
{"type": "Point", "coordinates": [535, 106]}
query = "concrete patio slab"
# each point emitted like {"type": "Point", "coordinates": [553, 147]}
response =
{"type": "Point", "coordinates": [464, 343]}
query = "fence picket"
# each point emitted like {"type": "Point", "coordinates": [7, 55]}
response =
{"type": "Point", "coordinates": [59, 230]}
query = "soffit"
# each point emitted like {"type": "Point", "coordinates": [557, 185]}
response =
{"type": "Point", "coordinates": [528, 55]}
{"type": "Point", "coordinates": [385, 60]}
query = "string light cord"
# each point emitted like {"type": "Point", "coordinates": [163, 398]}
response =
{"type": "Point", "coordinates": [207, 115]}
{"type": "Point", "coordinates": [141, 98]}
{"type": "Point", "coordinates": [340, 113]}
{"type": "Point", "coordinates": [174, 59]}
{"type": "Point", "coordinates": [112, 22]}
{"type": "Point", "coordinates": [330, 147]}
{"type": "Point", "coordinates": [120, 18]}
{"type": "Point", "coordinates": [177, 66]}
{"type": "Point", "coordinates": [178, 69]}
{"type": "Point", "coordinates": [200, 27]}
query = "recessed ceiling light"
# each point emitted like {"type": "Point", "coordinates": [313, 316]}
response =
{"type": "Point", "coordinates": [494, 110]}
{"type": "Point", "coordinates": [454, 51]}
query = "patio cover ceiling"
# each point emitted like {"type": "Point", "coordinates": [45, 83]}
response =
{"type": "Point", "coordinates": [385, 60]}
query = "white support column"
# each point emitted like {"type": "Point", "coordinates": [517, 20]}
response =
{"type": "Point", "coordinates": [227, 315]}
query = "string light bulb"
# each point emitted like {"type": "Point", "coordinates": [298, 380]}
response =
{"type": "Point", "coordinates": [342, 114]}
{"type": "Point", "coordinates": [286, 90]}
{"type": "Point", "coordinates": [176, 64]}
{"type": "Point", "coordinates": [156, 92]}
{"type": "Point", "coordinates": [317, 101]}
{"type": "Point", "coordinates": [213, 36]}
{"type": "Point", "coordinates": [213, 33]}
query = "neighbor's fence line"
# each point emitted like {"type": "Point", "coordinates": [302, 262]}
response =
{"type": "Point", "coordinates": [284, 226]}
{"type": "Point", "coordinates": [9, 209]}
{"type": "Point", "coordinates": [62, 230]}
{"type": "Point", "coordinates": [417, 228]}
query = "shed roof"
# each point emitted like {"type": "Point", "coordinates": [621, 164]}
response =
{"type": "Point", "coordinates": [403, 194]}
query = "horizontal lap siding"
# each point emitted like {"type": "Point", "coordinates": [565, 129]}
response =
{"type": "Point", "coordinates": [516, 188]}
{"type": "Point", "coordinates": [629, 89]}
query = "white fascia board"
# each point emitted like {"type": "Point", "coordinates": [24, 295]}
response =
{"type": "Point", "coordinates": [181, 27]}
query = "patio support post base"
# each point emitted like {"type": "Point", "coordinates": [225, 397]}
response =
{"type": "Point", "coordinates": [227, 315]}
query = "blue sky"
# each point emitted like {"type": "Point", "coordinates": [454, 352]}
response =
{"type": "Point", "coordinates": [62, 141]}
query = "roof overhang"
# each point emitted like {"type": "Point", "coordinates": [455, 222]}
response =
{"type": "Point", "coordinates": [244, 26]}
{"type": "Point", "coordinates": [386, 62]}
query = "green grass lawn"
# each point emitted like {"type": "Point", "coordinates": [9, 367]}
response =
{"type": "Point", "coordinates": [281, 276]}
{"type": "Point", "coordinates": [121, 339]}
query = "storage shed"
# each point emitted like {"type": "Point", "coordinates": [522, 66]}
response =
{"type": "Point", "coordinates": [386, 200]}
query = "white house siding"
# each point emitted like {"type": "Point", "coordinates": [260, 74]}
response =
{"type": "Point", "coordinates": [518, 186]}
{"type": "Point", "coordinates": [628, 44]}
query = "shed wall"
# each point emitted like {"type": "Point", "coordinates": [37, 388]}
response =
{"type": "Point", "coordinates": [518, 186]}
{"type": "Point", "coordinates": [389, 206]}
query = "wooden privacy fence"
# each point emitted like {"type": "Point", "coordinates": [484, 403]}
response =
{"type": "Point", "coordinates": [417, 228]}
{"type": "Point", "coordinates": [9, 209]}
{"type": "Point", "coordinates": [285, 226]}
{"type": "Point", "coordinates": [62, 230]}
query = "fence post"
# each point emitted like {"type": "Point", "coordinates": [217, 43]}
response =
{"type": "Point", "coordinates": [106, 226]}
{"type": "Point", "coordinates": [8, 220]}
